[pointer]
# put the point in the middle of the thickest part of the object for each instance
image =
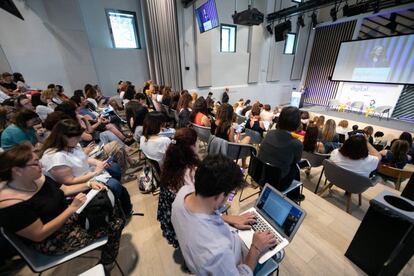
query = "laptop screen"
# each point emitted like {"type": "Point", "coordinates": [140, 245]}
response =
{"type": "Point", "coordinates": [279, 211]}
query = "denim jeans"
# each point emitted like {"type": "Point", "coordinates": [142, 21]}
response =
{"type": "Point", "coordinates": [115, 181]}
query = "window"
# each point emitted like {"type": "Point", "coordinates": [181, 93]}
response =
{"type": "Point", "coordinates": [290, 43]}
{"type": "Point", "coordinates": [228, 38]}
{"type": "Point", "coordinates": [123, 27]}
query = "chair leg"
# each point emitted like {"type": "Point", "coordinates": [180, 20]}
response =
{"type": "Point", "coordinates": [319, 181]}
{"type": "Point", "coordinates": [240, 197]}
{"type": "Point", "coordinates": [359, 199]}
{"type": "Point", "coordinates": [119, 267]}
{"type": "Point", "coordinates": [348, 203]}
{"type": "Point", "coordinates": [325, 188]}
{"type": "Point", "coordinates": [398, 184]}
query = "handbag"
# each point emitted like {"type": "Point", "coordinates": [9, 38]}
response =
{"type": "Point", "coordinates": [146, 180]}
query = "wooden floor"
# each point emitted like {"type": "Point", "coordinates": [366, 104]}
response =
{"type": "Point", "coordinates": [317, 249]}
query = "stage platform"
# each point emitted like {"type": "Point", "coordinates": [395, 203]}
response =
{"type": "Point", "coordinates": [390, 126]}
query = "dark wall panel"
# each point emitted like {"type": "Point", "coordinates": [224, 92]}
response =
{"type": "Point", "coordinates": [319, 89]}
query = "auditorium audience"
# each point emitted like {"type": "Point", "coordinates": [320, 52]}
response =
{"type": "Point", "coordinates": [247, 107]}
{"type": "Point", "coordinates": [266, 114]}
{"type": "Point", "coordinates": [136, 110]}
{"type": "Point", "coordinates": [208, 244]}
{"type": "Point", "coordinates": [310, 141]}
{"type": "Point", "coordinates": [304, 118]}
{"type": "Point", "coordinates": [64, 161]}
{"type": "Point", "coordinates": [199, 113]}
{"type": "Point", "coordinates": [152, 144]}
{"type": "Point", "coordinates": [210, 101]}
{"type": "Point", "coordinates": [18, 79]}
{"type": "Point", "coordinates": [320, 122]}
{"type": "Point", "coordinates": [22, 101]}
{"type": "Point", "coordinates": [342, 128]}
{"type": "Point", "coordinates": [369, 131]}
{"type": "Point", "coordinates": [184, 110]}
{"type": "Point", "coordinates": [357, 155]}
{"type": "Point", "coordinates": [40, 106]}
{"type": "Point", "coordinates": [329, 137]}
{"type": "Point", "coordinates": [34, 207]}
{"type": "Point", "coordinates": [22, 129]}
{"type": "Point", "coordinates": [406, 136]}
{"type": "Point", "coordinates": [240, 106]}
{"type": "Point", "coordinates": [281, 150]}
{"type": "Point", "coordinates": [254, 122]}
{"type": "Point", "coordinates": [397, 156]}
{"type": "Point", "coordinates": [7, 85]}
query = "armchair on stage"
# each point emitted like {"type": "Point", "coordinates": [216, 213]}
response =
{"type": "Point", "coordinates": [359, 107]}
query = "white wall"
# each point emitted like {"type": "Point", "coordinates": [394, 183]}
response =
{"type": "Point", "coordinates": [112, 64]}
{"type": "Point", "coordinates": [68, 42]}
{"type": "Point", "coordinates": [244, 72]}
{"type": "Point", "coordinates": [31, 48]}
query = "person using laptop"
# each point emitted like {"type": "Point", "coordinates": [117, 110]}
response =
{"type": "Point", "coordinates": [208, 244]}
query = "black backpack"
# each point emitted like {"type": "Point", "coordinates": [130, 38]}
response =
{"type": "Point", "coordinates": [98, 211]}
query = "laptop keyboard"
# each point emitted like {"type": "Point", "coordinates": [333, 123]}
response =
{"type": "Point", "coordinates": [260, 225]}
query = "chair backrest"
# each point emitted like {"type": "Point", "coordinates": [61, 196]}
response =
{"type": "Point", "coordinates": [203, 133]}
{"type": "Point", "coordinates": [39, 262]}
{"type": "Point", "coordinates": [315, 159]}
{"type": "Point", "coordinates": [240, 119]}
{"type": "Point", "coordinates": [255, 136]}
{"type": "Point", "coordinates": [394, 172]}
{"type": "Point", "coordinates": [341, 138]}
{"type": "Point", "coordinates": [236, 151]}
{"type": "Point", "coordinates": [345, 179]}
{"type": "Point", "coordinates": [263, 173]}
{"type": "Point", "coordinates": [408, 191]}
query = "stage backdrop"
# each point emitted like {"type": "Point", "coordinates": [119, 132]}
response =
{"type": "Point", "coordinates": [369, 93]}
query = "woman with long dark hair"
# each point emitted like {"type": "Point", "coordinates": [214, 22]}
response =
{"type": "Point", "coordinates": [178, 170]}
{"type": "Point", "coordinates": [199, 114]}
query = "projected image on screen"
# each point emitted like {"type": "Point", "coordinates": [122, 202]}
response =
{"type": "Point", "coordinates": [386, 60]}
{"type": "Point", "coordinates": [207, 17]}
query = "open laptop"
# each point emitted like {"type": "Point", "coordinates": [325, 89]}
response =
{"type": "Point", "coordinates": [276, 213]}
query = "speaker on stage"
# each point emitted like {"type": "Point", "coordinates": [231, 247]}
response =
{"type": "Point", "coordinates": [384, 242]}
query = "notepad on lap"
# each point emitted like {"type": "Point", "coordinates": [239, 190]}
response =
{"type": "Point", "coordinates": [89, 196]}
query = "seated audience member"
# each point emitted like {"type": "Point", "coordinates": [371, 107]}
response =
{"type": "Point", "coordinates": [406, 136]}
{"type": "Point", "coordinates": [369, 131]}
{"type": "Point", "coordinates": [184, 110]}
{"type": "Point", "coordinates": [194, 97]}
{"type": "Point", "coordinates": [398, 156]}
{"type": "Point", "coordinates": [225, 97]}
{"type": "Point", "coordinates": [91, 96]}
{"type": "Point", "coordinates": [354, 130]}
{"type": "Point", "coordinates": [283, 151]}
{"type": "Point", "coordinates": [152, 144]}
{"type": "Point", "coordinates": [329, 137]}
{"type": "Point", "coordinates": [135, 111]}
{"type": "Point", "coordinates": [166, 96]}
{"type": "Point", "coordinates": [79, 93]}
{"type": "Point", "coordinates": [304, 118]}
{"type": "Point", "coordinates": [22, 101]}
{"type": "Point", "coordinates": [4, 122]}
{"type": "Point", "coordinates": [210, 101]}
{"type": "Point", "coordinates": [266, 114]}
{"type": "Point", "coordinates": [238, 110]}
{"type": "Point", "coordinates": [128, 95]}
{"type": "Point", "coordinates": [63, 160]}
{"type": "Point", "coordinates": [47, 97]}
{"type": "Point", "coordinates": [40, 106]}
{"type": "Point", "coordinates": [44, 218]}
{"type": "Point", "coordinates": [199, 114]}
{"type": "Point", "coordinates": [208, 244]}
{"type": "Point", "coordinates": [181, 160]}
{"type": "Point", "coordinates": [22, 129]}
{"type": "Point", "coordinates": [223, 126]}
{"type": "Point", "coordinates": [175, 97]}
{"type": "Point", "coordinates": [310, 141]}
{"type": "Point", "coordinates": [7, 85]}
{"type": "Point", "coordinates": [254, 122]}
{"type": "Point", "coordinates": [342, 128]}
{"type": "Point", "coordinates": [60, 93]}
{"type": "Point", "coordinates": [153, 95]}
{"type": "Point", "coordinates": [18, 79]}
{"type": "Point", "coordinates": [357, 155]}
{"type": "Point", "coordinates": [320, 122]}
{"type": "Point", "coordinates": [247, 107]}
{"type": "Point", "coordinates": [85, 108]}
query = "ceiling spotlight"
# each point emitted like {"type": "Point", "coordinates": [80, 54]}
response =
{"type": "Point", "coordinates": [333, 14]}
{"type": "Point", "coordinates": [269, 29]}
{"type": "Point", "coordinates": [314, 20]}
{"type": "Point", "coordinates": [301, 22]}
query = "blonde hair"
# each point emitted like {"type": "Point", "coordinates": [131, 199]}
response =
{"type": "Point", "coordinates": [343, 123]}
{"type": "Point", "coordinates": [194, 95]}
{"type": "Point", "coordinates": [48, 94]}
{"type": "Point", "coordinates": [329, 131]}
